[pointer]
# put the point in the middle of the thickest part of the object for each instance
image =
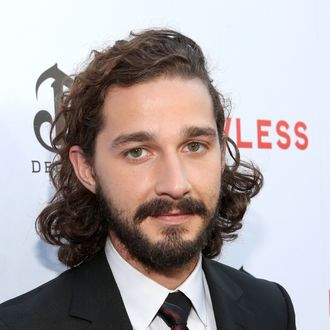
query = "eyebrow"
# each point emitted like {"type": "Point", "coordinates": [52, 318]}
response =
{"type": "Point", "coordinates": [123, 139]}
{"type": "Point", "coordinates": [144, 136]}
{"type": "Point", "coordinates": [197, 131]}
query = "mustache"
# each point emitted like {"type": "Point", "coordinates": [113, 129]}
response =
{"type": "Point", "coordinates": [158, 206]}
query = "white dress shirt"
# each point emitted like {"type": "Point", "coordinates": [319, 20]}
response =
{"type": "Point", "coordinates": [143, 297]}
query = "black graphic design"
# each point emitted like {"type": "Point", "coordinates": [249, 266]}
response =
{"type": "Point", "coordinates": [61, 80]}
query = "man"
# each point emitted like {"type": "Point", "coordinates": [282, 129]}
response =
{"type": "Point", "coordinates": [144, 199]}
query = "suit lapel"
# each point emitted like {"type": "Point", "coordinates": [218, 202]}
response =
{"type": "Point", "coordinates": [96, 297]}
{"type": "Point", "coordinates": [229, 312]}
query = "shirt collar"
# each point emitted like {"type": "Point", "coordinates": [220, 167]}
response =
{"type": "Point", "coordinates": [143, 297]}
{"type": "Point", "coordinates": [194, 288]}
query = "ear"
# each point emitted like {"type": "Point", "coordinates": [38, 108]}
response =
{"type": "Point", "coordinates": [82, 168]}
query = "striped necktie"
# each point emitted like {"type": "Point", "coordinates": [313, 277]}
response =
{"type": "Point", "coordinates": [175, 311]}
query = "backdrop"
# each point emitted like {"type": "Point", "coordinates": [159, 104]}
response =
{"type": "Point", "coordinates": [270, 57]}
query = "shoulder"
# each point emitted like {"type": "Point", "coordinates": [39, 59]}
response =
{"type": "Point", "coordinates": [265, 299]}
{"type": "Point", "coordinates": [47, 298]}
{"type": "Point", "coordinates": [52, 302]}
{"type": "Point", "coordinates": [247, 282]}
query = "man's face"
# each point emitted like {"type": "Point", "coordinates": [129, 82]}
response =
{"type": "Point", "coordinates": [158, 167]}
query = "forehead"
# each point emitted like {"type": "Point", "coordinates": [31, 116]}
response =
{"type": "Point", "coordinates": [160, 106]}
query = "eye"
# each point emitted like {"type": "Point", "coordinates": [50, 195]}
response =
{"type": "Point", "coordinates": [195, 147]}
{"type": "Point", "coordinates": [136, 153]}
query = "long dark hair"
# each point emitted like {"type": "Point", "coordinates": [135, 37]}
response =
{"type": "Point", "coordinates": [72, 220]}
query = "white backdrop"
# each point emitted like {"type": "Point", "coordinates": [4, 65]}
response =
{"type": "Point", "coordinates": [270, 57]}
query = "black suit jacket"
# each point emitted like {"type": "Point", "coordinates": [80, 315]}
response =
{"type": "Point", "coordinates": [87, 297]}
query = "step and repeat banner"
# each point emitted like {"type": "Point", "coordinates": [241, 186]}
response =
{"type": "Point", "coordinates": [271, 58]}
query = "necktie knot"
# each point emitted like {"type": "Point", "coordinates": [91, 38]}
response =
{"type": "Point", "coordinates": [175, 310]}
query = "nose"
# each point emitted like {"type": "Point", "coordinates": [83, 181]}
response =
{"type": "Point", "coordinates": [172, 180]}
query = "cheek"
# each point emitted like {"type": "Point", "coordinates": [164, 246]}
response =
{"type": "Point", "coordinates": [206, 176]}
{"type": "Point", "coordinates": [126, 188]}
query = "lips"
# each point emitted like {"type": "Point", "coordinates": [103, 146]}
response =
{"type": "Point", "coordinates": [173, 218]}
{"type": "Point", "coordinates": [171, 212]}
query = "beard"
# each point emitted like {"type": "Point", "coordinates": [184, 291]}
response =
{"type": "Point", "coordinates": [172, 251]}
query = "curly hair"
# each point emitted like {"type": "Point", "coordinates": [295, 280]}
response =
{"type": "Point", "coordinates": [73, 219]}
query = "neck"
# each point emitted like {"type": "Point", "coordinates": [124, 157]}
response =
{"type": "Point", "coordinates": [170, 279]}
